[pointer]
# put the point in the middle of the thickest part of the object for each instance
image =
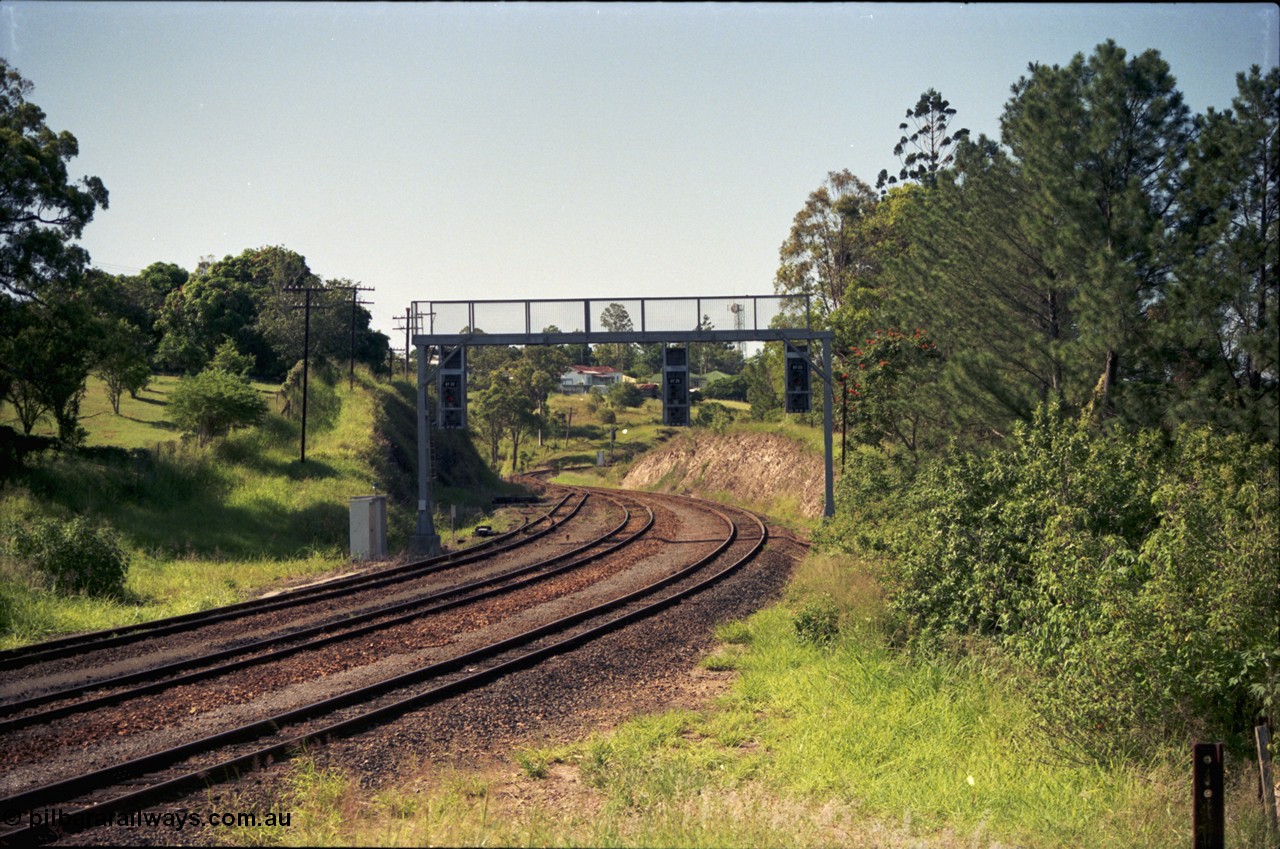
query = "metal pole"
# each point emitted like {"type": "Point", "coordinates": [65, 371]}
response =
{"type": "Point", "coordinates": [830, 508]}
{"type": "Point", "coordinates": [426, 541]}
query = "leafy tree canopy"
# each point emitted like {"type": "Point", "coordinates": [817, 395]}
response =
{"type": "Point", "coordinates": [41, 208]}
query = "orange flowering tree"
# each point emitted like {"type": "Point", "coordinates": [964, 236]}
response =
{"type": "Point", "coordinates": [882, 382]}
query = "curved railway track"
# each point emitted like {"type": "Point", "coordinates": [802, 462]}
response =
{"type": "Point", "coordinates": [32, 711]}
{"type": "Point", "coordinates": [97, 640]}
{"type": "Point", "coordinates": [651, 552]}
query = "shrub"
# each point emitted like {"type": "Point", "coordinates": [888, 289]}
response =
{"type": "Point", "coordinates": [732, 388]}
{"type": "Point", "coordinates": [229, 359]}
{"type": "Point", "coordinates": [714, 416]}
{"type": "Point", "coordinates": [214, 401]}
{"type": "Point", "coordinates": [1133, 578]}
{"type": "Point", "coordinates": [872, 501]}
{"type": "Point", "coordinates": [75, 556]}
{"type": "Point", "coordinates": [625, 394]}
{"type": "Point", "coordinates": [817, 622]}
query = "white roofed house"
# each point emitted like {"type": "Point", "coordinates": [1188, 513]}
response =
{"type": "Point", "coordinates": [580, 379]}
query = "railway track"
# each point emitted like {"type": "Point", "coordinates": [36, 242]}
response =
{"type": "Point", "coordinates": [92, 661]}
{"type": "Point", "coordinates": [77, 644]}
{"type": "Point", "coordinates": [684, 556]}
{"type": "Point", "coordinates": [35, 710]}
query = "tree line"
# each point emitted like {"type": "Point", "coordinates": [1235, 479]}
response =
{"type": "Point", "coordinates": [1056, 367]}
{"type": "Point", "coordinates": [62, 320]}
{"type": "Point", "coordinates": [1110, 251]}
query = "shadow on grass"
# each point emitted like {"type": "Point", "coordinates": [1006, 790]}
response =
{"type": "Point", "coordinates": [292, 468]}
{"type": "Point", "coordinates": [312, 469]}
{"type": "Point", "coordinates": [178, 507]}
{"type": "Point", "coordinates": [159, 424]}
{"type": "Point", "coordinates": [205, 526]}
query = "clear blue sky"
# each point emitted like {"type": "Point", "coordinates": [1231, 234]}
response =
{"type": "Point", "coordinates": [535, 151]}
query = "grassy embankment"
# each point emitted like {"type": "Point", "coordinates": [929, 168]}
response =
{"type": "Point", "coordinates": [847, 743]}
{"type": "Point", "coordinates": [214, 525]}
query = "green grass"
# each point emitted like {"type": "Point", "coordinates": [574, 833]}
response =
{"type": "Point", "coordinates": [853, 744]}
{"type": "Point", "coordinates": [142, 423]}
{"type": "Point", "coordinates": [204, 526]}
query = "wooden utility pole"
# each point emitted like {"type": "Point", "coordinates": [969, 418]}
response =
{"type": "Point", "coordinates": [355, 305]}
{"type": "Point", "coordinates": [306, 343]}
{"type": "Point", "coordinates": [306, 368]}
{"type": "Point", "coordinates": [408, 330]}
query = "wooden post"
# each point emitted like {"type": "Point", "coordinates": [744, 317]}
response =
{"type": "Point", "coordinates": [1262, 735]}
{"type": "Point", "coordinates": [355, 303]}
{"type": "Point", "coordinates": [1207, 810]}
{"type": "Point", "coordinates": [306, 365]}
{"type": "Point", "coordinates": [407, 325]}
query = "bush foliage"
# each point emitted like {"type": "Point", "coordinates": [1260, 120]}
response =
{"type": "Point", "coordinates": [214, 401]}
{"type": "Point", "coordinates": [75, 556]}
{"type": "Point", "coordinates": [1133, 575]}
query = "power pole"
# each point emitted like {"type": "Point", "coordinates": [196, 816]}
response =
{"type": "Point", "coordinates": [306, 358]}
{"type": "Point", "coordinates": [306, 343]}
{"type": "Point", "coordinates": [408, 329]}
{"type": "Point", "coordinates": [355, 304]}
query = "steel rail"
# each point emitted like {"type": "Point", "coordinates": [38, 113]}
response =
{"type": "Point", "coordinates": [93, 639]}
{"type": "Point", "coordinates": [320, 635]}
{"type": "Point", "coordinates": [112, 637]}
{"type": "Point", "coordinates": [105, 778]}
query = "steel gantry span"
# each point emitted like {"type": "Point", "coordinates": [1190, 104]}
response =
{"type": "Point", "coordinates": [449, 325]}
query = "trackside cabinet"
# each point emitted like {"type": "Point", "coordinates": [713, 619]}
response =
{"type": "Point", "coordinates": [369, 527]}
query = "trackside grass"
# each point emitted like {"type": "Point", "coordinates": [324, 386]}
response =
{"type": "Point", "coordinates": [847, 743]}
{"type": "Point", "coordinates": [203, 526]}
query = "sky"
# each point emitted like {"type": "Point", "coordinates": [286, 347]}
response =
{"type": "Point", "coordinates": [493, 151]}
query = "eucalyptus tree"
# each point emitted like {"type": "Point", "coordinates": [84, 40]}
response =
{"type": "Point", "coordinates": [502, 410]}
{"type": "Point", "coordinates": [619, 355]}
{"type": "Point", "coordinates": [827, 255]}
{"type": "Point", "coordinates": [41, 209]}
{"type": "Point", "coordinates": [44, 297]}
{"type": "Point", "coordinates": [122, 361]}
{"type": "Point", "coordinates": [539, 370]}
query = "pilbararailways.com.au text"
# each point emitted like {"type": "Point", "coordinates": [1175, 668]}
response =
{"type": "Point", "coordinates": [175, 820]}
